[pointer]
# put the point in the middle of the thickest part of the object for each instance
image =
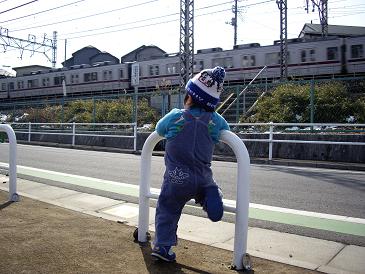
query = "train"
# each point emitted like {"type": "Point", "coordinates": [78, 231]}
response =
{"type": "Point", "coordinates": [307, 58]}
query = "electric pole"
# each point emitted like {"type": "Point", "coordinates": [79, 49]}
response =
{"type": "Point", "coordinates": [322, 6]}
{"type": "Point", "coordinates": [283, 8]}
{"type": "Point", "coordinates": [186, 43]}
{"type": "Point", "coordinates": [30, 44]}
{"type": "Point", "coordinates": [234, 22]}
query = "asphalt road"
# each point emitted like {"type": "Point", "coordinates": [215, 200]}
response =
{"type": "Point", "coordinates": [338, 192]}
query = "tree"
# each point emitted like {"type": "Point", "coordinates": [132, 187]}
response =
{"type": "Point", "coordinates": [290, 103]}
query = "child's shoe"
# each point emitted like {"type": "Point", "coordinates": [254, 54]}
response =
{"type": "Point", "coordinates": [164, 253]}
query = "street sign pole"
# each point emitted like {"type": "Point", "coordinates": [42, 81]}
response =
{"type": "Point", "coordinates": [135, 83]}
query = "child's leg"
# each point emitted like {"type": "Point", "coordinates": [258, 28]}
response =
{"type": "Point", "coordinates": [213, 203]}
{"type": "Point", "coordinates": [168, 212]}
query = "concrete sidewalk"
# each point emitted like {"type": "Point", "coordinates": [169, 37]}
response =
{"type": "Point", "coordinates": [271, 246]}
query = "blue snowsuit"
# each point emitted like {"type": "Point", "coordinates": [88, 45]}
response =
{"type": "Point", "coordinates": [188, 173]}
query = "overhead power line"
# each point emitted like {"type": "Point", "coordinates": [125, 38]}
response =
{"type": "Point", "coordinates": [87, 16]}
{"type": "Point", "coordinates": [22, 5]}
{"type": "Point", "coordinates": [43, 11]}
{"type": "Point", "coordinates": [154, 24]}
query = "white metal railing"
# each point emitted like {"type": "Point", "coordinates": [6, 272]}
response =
{"type": "Point", "coordinates": [271, 133]}
{"type": "Point", "coordinates": [74, 129]}
{"type": "Point", "coordinates": [242, 201]}
{"type": "Point", "coordinates": [13, 196]}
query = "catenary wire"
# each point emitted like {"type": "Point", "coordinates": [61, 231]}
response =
{"type": "Point", "coordinates": [22, 5]}
{"type": "Point", "coordinates": [43, 11]}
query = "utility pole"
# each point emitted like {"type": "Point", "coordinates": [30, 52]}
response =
{"type": "Point", "coordinates": [322, 6]}
{"type": "Point", "coordinates": [186, 43]}
{"type": "Point", "coordinates": [30, 44]}
{"type": "Point", "coordinates": [283, 8]}
{"type": "Point", "coordinates": [234, 22]}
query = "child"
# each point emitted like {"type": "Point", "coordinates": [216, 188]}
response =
{"type": "Point", "coordinates": [191, 134]}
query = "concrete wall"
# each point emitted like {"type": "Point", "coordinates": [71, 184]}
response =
{"type": "Point", "coordinates": [336, 153]}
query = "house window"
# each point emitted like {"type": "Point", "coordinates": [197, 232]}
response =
{"type": "Point", "coordinates": [11, 86]}
{"type": "Point", "coordinates": [357, 51]}
{"type": "Point", "coordinates": [3, 86]}
{"type": "Point", "coordinates": [332, 53]}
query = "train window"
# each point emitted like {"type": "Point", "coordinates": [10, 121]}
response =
{"type": "Point", "coordinates": [218, 62]}
{"type": "Point", "coordinates": [272, 58]}
{"type": "Point", "coordinates": [33, 83]}
{"type": "Point", "coordinates": [121, 74]}
{"type": "Point", "coordinates": [20, 84]}
{"type": "Point", "coordinates": [303, 56]}
{"type": "Point", "coordinates": [11, 86]}
{"type": "Point", "coordinates": [357, 51]}
{"type": "Point", "coordinates": [107, 75]}
{"type": "Point", "coordinates": [45, 82]}
{"type": "Point", "coordinates": [154, 70]}
{"type": "Point", "coordinates": [332, 53]}
{"type": "Point", "coordinates": [226, 62]}
{"type": "Point", "coordinates": [307, 55]}
{"type": "Point", "coordinates": [57, 81]}
{"type": "Point", "coordinates": [312, 54]}
{"type": "Point", "coordinates": [74, 78]}
{"type": "Point", "coordinates": [3, 86]}
{"type": "Point", "coordinates": [171, 68]}
{"type": "Point", "coordinates": [91, 76]}
{"type": "Point", "coordinates": [198, 65]}
{"type": "Point", "coordinates": [248, 60]}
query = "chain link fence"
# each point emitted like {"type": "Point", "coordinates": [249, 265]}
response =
{"type": "Point", "coordinates": [306, 101]}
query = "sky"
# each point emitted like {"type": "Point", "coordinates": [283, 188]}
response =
{"type": "Point", "coordinates": [120, 26]}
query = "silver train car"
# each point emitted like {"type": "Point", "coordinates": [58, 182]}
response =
{"type": "Point", "coordinates": [317, 58]}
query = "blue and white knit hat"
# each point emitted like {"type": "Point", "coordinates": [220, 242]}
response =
{"type": "Point", "coordinates": [206, 87]}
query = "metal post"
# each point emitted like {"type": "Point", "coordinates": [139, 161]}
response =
{"type": "Point", "coordinates": [29, 130]}
{"type": "Point", "coordinates": [13, 196]}
{"type": "Point", "coordinates": [270, 140]}
{"type": "Point", "coordinates": [242, 200]}
{"type": "Point", "coordinates": [238, 105]}
{"type": "Point", "coordinates": [135, 137]}
{"type": "Point", "coordinates": [136, 104]}
{"type": "Point", "coordinates": [73, 133]}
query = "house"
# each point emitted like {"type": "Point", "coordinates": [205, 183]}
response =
{"type": "Point", "coordinates": [90, 55]}
{"type": "Point", "coordinates": [310, 31]}
{"type": "Point", "coordinates": [32, 69]}
{"type": "Point", "coordinates": [143, 53]}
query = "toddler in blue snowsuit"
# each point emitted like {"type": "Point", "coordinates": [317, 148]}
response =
{"type": "Point", "coordinates": [191, 134]}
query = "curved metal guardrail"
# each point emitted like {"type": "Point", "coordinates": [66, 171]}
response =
{"type": "Point", "coordinates": [241, 259]}
{"type": "Point", "coordinates": [13, 196]}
